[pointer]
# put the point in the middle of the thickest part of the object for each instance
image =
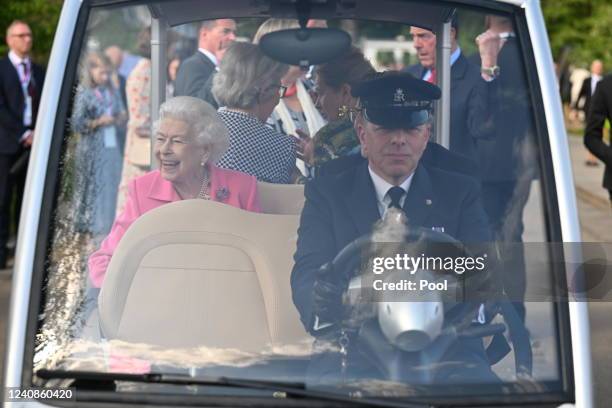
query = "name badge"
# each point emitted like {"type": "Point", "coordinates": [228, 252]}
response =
{"type": "Point", "coordinates": [110, 136]}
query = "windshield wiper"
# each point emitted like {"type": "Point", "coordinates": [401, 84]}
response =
{"type": "Point", "coordinates": [289, 389]}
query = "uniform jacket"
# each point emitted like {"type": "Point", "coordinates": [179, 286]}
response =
{"type": "Point", "coordinates": [151, 191]}
{"type": "Point", "coordinates": [193, 74]}
{"type": "Point", "coordinates": [343, 207]}
{"type": "Point", "coordinates": [12, 104]}
{"type": "Point", "coordinates": [469, 118]}
{"type": "Point", "coordinates": [601, 108]}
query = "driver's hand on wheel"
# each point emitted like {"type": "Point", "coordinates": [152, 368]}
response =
{"type": "Point", "coordinates": [327, 296]}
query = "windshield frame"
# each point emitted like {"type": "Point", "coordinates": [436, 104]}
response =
{"type": "Point", "coordinates": [553, 224]}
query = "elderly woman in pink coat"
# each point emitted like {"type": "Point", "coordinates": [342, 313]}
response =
{"type": "Point", "coordinates": [189, 139]}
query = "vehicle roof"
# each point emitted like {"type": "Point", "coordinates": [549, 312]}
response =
{"type": "Point", "coordinates": [426, 15]}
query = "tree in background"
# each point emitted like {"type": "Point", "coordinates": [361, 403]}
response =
{"type": "Point", "coordinates": [41, 16]}
{"type": "Point", "coordinates": [582, 26]}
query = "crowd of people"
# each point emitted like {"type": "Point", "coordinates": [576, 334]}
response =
{"type": "Point", "coordinates": [586, 97]}
{"type": "Point", "coordinates": [359, 140]}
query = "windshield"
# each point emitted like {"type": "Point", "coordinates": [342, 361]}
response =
{"type": "Point", "coordinates": [202, 236]}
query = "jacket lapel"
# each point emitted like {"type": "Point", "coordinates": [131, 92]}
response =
{"type": "Point", "coordinates": [206, 60]}
{"type": "Point", "coordinates": [458, 70]}
{"type": "Point", "coordinates": [361, 201]}
{"type": "Point", "coordinates": [12, 71]}
{"type": "Point", "coordinates": [419, 200]}
{"type": "Point", "coordinates": [162, 190]}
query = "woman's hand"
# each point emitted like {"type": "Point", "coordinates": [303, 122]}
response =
{"type": "Point", "coordinates": [103, 120]}
{"type": "Point", "coordinates": [143, 131]}
{"type": "Point", "coordinates": [305, 146]}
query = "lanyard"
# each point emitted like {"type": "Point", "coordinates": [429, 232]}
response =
{"type": "Point", "coordinates": [103, 95]}
{"type": "Point", "coordinates": [25, 75]}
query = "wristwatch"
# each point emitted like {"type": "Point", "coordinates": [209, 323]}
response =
{"type": "Point", "coordinates": [491, 71]}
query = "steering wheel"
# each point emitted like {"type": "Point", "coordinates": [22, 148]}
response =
{"type": "Point", "coordinates": [459, 323]}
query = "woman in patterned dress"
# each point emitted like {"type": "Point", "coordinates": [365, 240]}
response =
{"type": "Point", "coordinates": [97, 113]}
{"type": "Point", "coordinates": [248, 86]}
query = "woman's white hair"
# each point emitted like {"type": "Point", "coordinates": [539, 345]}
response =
{"type": "Point", "coordinates": [245, 74]}
{"type": "Point", "coordinates": [203, 121]}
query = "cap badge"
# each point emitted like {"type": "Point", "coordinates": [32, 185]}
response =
{"type": "Point", "coordinates": [399, 96]}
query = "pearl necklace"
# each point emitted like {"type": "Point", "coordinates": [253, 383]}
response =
{"type": "Point", "coordinates": [204, 194]}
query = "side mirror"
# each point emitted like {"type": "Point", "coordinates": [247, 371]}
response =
{"type": "Point", "coordinates": [305, 46]}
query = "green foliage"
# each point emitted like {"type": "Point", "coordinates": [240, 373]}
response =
{"type": "Point", "coordinates": [583, 27]}
{"type": "Point", "coordinates": [41, 16]}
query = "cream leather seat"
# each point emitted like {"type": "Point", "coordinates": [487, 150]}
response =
{"type": "Point", "coordinates": [200, 273]}
{"type": "Point", "coordinates": [280, 198]}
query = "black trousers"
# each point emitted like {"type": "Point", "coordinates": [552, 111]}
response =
{"type": "Point", "coordinates": [504, 202]}
{"type": "Point", "coordinates": [11, 185]}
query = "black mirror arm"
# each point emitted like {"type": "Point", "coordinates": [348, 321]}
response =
{"type": "Point", "coordinates": [303, 10]}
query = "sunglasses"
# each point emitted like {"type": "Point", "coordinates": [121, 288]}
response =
{"type": "Point", "coordinates": [24, 35]}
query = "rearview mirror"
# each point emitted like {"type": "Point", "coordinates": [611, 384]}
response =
{"type": "Point", "coordinates": [305, 46]}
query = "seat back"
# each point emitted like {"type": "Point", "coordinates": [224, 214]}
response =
{"type": "Point", "coordinates": [280, 198]}
{"type": "Point", "coordinates": [200, 273]}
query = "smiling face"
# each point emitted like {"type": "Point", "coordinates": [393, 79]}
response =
{"type": "Point", "coordinates": [178, 153]}
{"type": "Point", "coordinates": [393, 154]}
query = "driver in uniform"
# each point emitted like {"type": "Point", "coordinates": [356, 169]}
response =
{"type": "Point", "coordinates": [393, 126]}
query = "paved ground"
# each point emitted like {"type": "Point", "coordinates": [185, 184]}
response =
{"type": "Point", "coordinates": [596, 225]}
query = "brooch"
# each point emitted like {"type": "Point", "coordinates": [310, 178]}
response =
{"type": "Point", "coordinates": [222, 193]}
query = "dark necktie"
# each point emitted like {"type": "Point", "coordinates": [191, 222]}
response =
{"type": "Point", "coordinates": [395, 193]}
{"type": "Point", "coordinates": [26, 73]}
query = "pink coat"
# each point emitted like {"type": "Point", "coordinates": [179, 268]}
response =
{"type": "Point", "coordinates": [151, 191]}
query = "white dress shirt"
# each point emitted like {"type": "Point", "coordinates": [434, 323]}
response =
{"type": "Point", "coordinates": [594, 80]}
{"type": "Point", "coordinates": [24, 79]}
{"type": "Point", "coordinates": [453, 58]}
{"type": "Point", "coordinates": [211, 57]}
{"type": "Point", "coordinates": [382, 187]}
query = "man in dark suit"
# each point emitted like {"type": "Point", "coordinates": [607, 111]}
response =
{"type": "Point", "coordinates": [586, 92]}
{"type": "Point", "coordinates": [588, 87]}
{"type": "Point", "coordinates": [507, 160]}
{"type": "Point", "coordinates": [393, 130]}
{"type": "Point", "coordinates": [213, 39]}
{"type": "Point", "coordinates": [600, 110]}
{"type": "Point", "coordinates": [21, 82]}
{"type": "Point", "coordinates": [469, 103]}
